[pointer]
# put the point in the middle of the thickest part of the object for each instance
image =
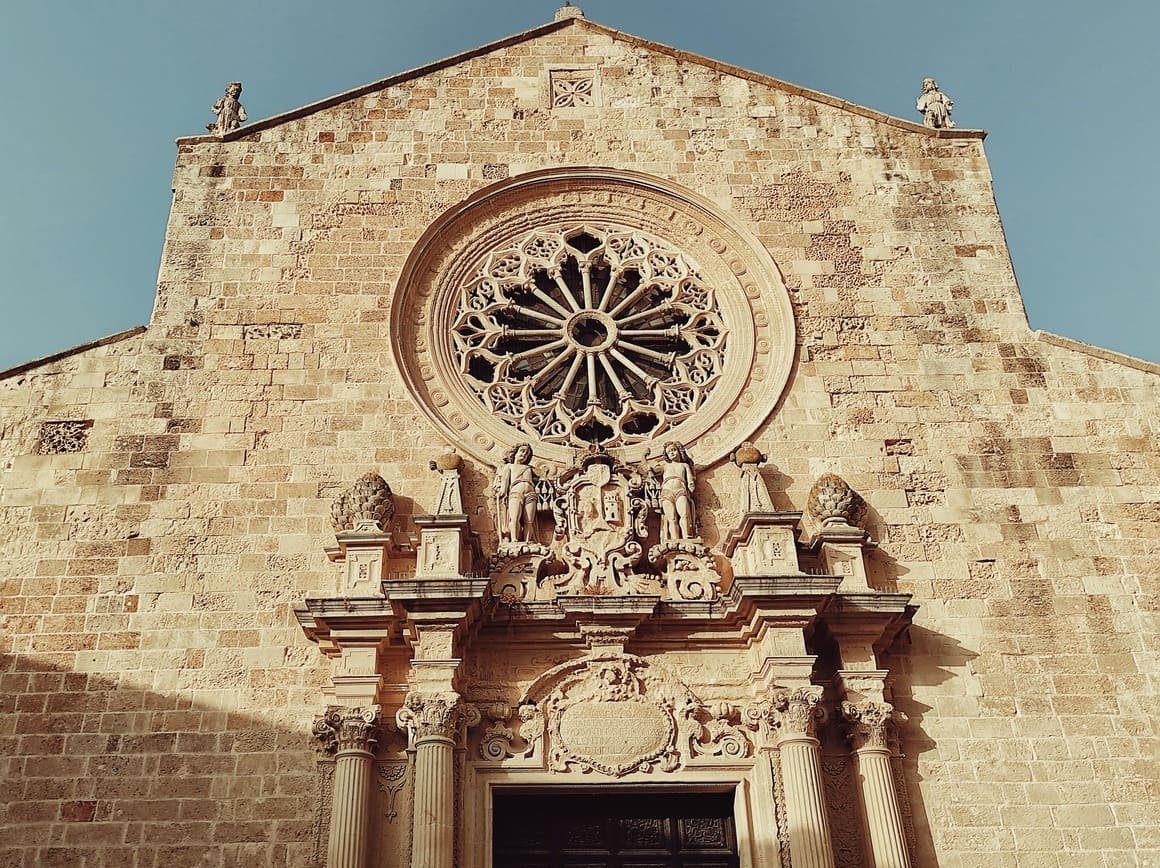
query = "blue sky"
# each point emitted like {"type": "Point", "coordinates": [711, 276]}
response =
{"type": "Point", "coordinates": [93, 95]}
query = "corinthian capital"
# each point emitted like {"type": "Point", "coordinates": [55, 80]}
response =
{"type": "Point", "coordinates": [430, 715]}
{"type": "Point", "coordinates": [343, 729]}
{"type": "Point", "coordinates": [789, 712]}
{"type": "Point", "coordinates": [797, 710]}
{"type": "Point", "coordinates": [870, 722]}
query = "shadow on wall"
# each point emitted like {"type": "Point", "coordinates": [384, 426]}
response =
{"type": "Point", "coordinates": [924, 659]}
{"type": "Point", "coordinates": [99, 774]}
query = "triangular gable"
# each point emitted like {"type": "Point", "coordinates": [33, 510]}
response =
{"type": "Point", "coordinates": [576, 20]}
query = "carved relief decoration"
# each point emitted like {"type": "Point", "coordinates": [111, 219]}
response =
{"type": "Point", "coordinates": [615, 714]}
{"type": "Point", "coordinates": [435, 715]}
{"type": "Point", "coordinates": [601, 518]}
{"type": "Point", "coordinates": [843, 811]}
{"type": "Point", "coordinates": [368, 502]}
{"type": "Point", "coordinates": [320, 826]}
{"type": "Point", "coordinates": [722, 736]}
{"type": "Point", "coordinates": [574, 306]}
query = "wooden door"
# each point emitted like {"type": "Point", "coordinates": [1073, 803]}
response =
{"type": "Point", "coordinates": [614, 830]}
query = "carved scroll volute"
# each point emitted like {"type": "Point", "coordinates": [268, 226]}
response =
{"type": "Point", "coordinates": [435, 716]}
{"type": "Point", "coordinates": [723, 738]}
{"type": "Point", "coordinates": [341, 729]}
{"type": "Point", "coordinates": [870, 723]}
{"type": "Point", "coordinates": [500, 741]}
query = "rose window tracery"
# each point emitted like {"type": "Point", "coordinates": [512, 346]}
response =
{"type": "Point", "coordinates": [589, 334]}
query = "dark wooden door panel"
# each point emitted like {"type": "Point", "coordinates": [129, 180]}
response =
{"type": "Point", "coordinates": [614, 830]}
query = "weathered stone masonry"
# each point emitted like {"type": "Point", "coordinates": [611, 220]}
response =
{"type": "Point", "coordinates": [166, 507]}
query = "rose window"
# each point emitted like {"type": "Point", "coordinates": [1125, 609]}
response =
{"type": "Point", "coordinates": [591, 334]}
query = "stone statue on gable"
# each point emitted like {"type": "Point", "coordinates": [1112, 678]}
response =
{"type": "Point", "coordinates": [935, 106]}
{"type": "Point", "coordinates": [230, 112]}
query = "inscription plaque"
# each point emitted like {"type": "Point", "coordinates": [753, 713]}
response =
{"type": "Point", "coordinates": [615, 737]}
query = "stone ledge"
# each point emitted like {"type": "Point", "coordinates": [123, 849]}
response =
{"type": "Point", "coordinates": [1097, 352]}
{"type": "Point", "coordinates": [72, 351]}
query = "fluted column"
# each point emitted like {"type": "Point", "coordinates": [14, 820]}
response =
{"type": "Point", "coordinates": [433, 721]}
{"type": "Point", "coordinates": [790, 718]}
{"type": "Point", "coordinates": [869, 722]}
{"type": "Point", "coordinates": [349, 733]}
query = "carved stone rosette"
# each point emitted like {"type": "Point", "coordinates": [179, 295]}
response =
{"type": "Point", "coordinates": [342, 729]}
{"type": "Point", "coordinates": [870, 723]}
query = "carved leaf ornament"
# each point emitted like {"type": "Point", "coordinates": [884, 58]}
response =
{"type": "Point", "coordinates": [589, 334]}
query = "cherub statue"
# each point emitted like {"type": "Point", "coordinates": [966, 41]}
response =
{"type": "Point", "coordinates": [230, 113]}
{"type": "Point", "coordinates": [515, 496]}
{"type": "Point", "coordinates": [935, 106]}
{"type": "Point", "coordinates": [678, 481]}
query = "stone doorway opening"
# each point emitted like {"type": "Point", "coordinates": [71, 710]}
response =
{"type": "Point", "coordinates": [586, 828]}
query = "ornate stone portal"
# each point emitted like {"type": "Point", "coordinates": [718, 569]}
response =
{"type": "Point", "coordinates": [749, 719]}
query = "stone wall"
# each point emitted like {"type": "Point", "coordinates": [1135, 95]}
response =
{"type": "Point", "coordinates": [156, 689]}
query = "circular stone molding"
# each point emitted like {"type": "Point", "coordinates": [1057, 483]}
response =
{"type": "Point", "coordinates": [573, 306]}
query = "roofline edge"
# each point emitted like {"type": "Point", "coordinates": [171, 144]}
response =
{"type": "Point", "coordinates": [72, 351]}
{"type": "Point", "coordinates": [1097, 352]}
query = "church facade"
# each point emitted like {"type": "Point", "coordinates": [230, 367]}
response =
{"type": "Point", "coordinates": [580, 452]}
